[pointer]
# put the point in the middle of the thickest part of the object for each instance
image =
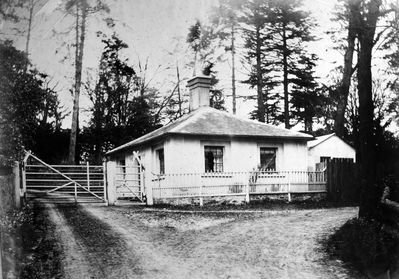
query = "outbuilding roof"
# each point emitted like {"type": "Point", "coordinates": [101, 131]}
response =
{"type": "Point", "coordinates": [319, 140]}
{"type": "Point", "coordinates": [207, 121]}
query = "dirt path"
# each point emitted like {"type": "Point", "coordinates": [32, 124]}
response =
{"type": "Point", "coordinates": [74, 259]}
{"type": "Point", "coordinates": [118, 242]}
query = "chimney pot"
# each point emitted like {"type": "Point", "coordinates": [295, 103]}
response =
{"type": "Point", "coordinates": [199, 91]}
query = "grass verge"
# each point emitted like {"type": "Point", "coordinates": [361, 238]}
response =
{"type": "Point", "coordinates": [258, 205]}
{"type": "Point", "coordinates": [29, 245]}
{"type": "Point", "coordinates": [42, 252]}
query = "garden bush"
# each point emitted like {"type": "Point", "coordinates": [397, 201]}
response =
{"type": "Point", "coordinates": [366, 244]}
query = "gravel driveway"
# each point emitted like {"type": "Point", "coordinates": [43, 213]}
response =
{"type": "Point", "coordinates": [129, 242]}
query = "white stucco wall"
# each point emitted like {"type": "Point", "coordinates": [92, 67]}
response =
{"type": "Point", "coordinates": [295, 156]}
{"type": "Point", "coordinates": [332, 147]}
{"type": "Point", "coordinates": [186, 154]}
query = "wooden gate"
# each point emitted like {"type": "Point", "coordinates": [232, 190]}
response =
{"type": "Point", "coordinates": [129, 180]}
{"type": "Point", "coordinates": [342, 180]}
{"type": "Point", "coordinates": [63, 183]}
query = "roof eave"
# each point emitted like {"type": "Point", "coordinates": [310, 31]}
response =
{"type": "Point", "coordinates": [157, 138]}
{"type": "Point", "coordinates": [135, 145]}
{"type": "Point", "coordinates": [244, 136]}
{"type": "Point", "coordinates": [329, 136]}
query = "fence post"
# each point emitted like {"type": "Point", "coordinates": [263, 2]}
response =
{"type": "Point", "coordinates": [289, 186]}
{"type": "Point", "coordinates": [105, 181]}
{"type": "Point", "coordinates": [17, 185]}
{"type": "Point", "coordinates": [247, 191]}
{"type": "Point", "coordinates": [88, 175]}
{"type": "Point", "coordinates": [111, 185]}
{"type": "Point", "coordinates": [201, 199]}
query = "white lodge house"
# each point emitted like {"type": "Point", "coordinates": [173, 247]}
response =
{"type": "Point", "coordinates": [205, 146]}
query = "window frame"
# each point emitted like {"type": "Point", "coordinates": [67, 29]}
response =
{"type": "Point", "coordinates": [270, 148]}
{"type": "Point", "coordinates": [218, 166]}
{"type": "Point", "coordinates": [160, 163]}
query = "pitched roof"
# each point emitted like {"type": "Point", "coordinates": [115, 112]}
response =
{"type": "Point", "coordinates": [208, 121]}
{"type": "Point", "coordinates": [319, 140]}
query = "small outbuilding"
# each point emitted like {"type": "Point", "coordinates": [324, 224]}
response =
{"type": "Point", "coordinates": [327, 147]}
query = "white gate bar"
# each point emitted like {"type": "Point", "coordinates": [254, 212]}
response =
{"type": "Point", "coordinates": [66, 166]}
{"type": "Point", "coordinates": [130, 190]}
{"type": "Point", "coordinates": [59, 187]}
{"type": "Point", "coordinates": [76, 183]}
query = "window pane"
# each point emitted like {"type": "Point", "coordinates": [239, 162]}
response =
{"type": "Point", "coordinates": [161, 161]}
{"type": "Point", "coordinates": [268, 158]}
{"type": "Point", "coordinates": [213, 158]}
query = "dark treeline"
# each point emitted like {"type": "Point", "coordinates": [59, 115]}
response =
{"type": "Point", "coordinates": [30, 112]}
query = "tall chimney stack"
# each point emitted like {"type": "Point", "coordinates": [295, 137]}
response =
{"type": "Point", "coordinates": [199, 91]}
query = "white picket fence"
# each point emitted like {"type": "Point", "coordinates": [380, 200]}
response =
{"type": "Point", "coordinates": [190, 185]}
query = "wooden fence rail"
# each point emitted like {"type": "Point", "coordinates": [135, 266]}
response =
{"type": "Point", "coordinates": [200, 185]}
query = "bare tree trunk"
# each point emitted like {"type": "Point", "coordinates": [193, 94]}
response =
{"type": "Point", "coordinates": [45, 114]}
{"type": "Point", "coordinates": [30, 19]}
{"type": "Point", "coordinates": [259, 79]}
{"type": "Point", "coordinates": [369, 196]}
{"type": "Point", "coordinates": [178, 89]}
{"type": "Point", "coordinates": [308, 124]}
{"type": "Point", "coordinates": [285, 81]}
{"type": "Point", "coordinates": [233, 73]}
{"type": "Point", "coordinates": [80, 39]}
{"type": "Point", "coordinates": [343, 89]}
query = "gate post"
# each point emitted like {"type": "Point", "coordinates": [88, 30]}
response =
{"type": "Point", "coordinates": [23, 170]}
{"type": "Point", "coordinates": [105, 181]}
{"type": "Point", "coordinates": [111, 185]}
{"type": "Point", "coordinates": [148, 188]}
{"type": "Point", "coordinates": [17, 185]}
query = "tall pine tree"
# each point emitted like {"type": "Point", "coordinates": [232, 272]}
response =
{"type": "Point", "coordinates": [254, 23]}
{"type": "Point", "coordinates": [307, 98]}
{"type": "Point", "coordinates": [225, 20]}
{"type": "Point", "coordinates": [289, 28]}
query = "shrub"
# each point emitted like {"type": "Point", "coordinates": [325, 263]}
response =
{"type": "Point", "coordinates": [365, 244]}
{"type": "Point", "coordinates": [15, 219]}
